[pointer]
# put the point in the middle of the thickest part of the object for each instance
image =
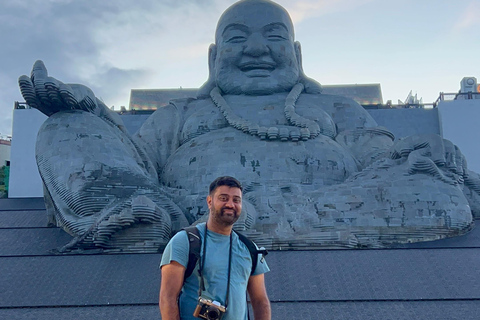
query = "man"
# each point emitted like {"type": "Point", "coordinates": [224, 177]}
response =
{"type": "Point", "coordinates": [178, 300]}
{"type": "Point", "coordinates": [312, 162]}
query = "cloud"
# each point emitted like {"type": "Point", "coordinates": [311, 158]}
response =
{"type": "Point", "coordinates": [470, 17]}
{"type": "Point", "coordinates": [110, 46]}
{"type": "Point", "coordinates": [114, 84]}
{"type": "Point", "coordinates": [305, 9]}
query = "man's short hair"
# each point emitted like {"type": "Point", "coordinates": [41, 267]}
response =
{"type": "Point", "coordinates": [225, 181]}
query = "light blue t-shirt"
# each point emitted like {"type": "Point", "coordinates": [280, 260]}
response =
{"type": "Point", "coordinates": [215, 272]}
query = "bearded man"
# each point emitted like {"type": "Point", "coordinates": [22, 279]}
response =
{"type": "Point", "coordinates": [224, 268]}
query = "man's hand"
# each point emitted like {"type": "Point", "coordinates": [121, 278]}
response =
{"type": "Point", "coordinates": [258, 297]}
{"type": "Point", "coordinates": [172, 282]}
{"type": "Point", "coordinates": [49, 95]}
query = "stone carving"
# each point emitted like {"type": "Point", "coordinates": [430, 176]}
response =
{"type": "Point", "coordinates": [317, 170]}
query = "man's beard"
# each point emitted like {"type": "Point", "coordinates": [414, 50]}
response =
{"type": "Point", "coordinates": [222, 218]}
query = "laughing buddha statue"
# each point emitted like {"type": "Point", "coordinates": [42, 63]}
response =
{"type": "Point", "coordinates": [317, 170]}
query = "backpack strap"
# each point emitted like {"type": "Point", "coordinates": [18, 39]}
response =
{"type": "Point", "coordinates": [195, 243]}
{"type": "Point", "coordinates": [252, 248]}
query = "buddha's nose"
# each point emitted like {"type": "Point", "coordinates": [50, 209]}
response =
{"type": "Point", "coordinates": [255, 45]}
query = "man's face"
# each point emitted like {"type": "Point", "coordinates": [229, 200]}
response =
{"type": "Point", "coordinates": [256, 51]}
{"type": "Point", "coordinates": [225, 205]}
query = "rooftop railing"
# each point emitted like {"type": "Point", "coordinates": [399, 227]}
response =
{"type": "Point", "coordinates": [442, 97]}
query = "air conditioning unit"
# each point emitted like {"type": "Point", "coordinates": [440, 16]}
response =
{"type": "Point", "coordinates": [468, 84]}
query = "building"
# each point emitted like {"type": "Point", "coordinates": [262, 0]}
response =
{"type": "Point", "coordinates": [5, 146]}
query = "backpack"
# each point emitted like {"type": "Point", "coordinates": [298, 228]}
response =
{"type": "Point", "coordinates": [195, 243]}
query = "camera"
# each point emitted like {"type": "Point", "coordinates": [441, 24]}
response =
{"type": "Point", "coordinates": [208, 309]}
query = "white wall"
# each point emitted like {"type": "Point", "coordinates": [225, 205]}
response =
{"type": "Point", "coordinates": [24, 177]}
{"type": "Point", "coordinates": [460, 124]}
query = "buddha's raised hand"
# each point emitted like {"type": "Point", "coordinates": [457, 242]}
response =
{"type": "Point", "coordinates": [50, 95]}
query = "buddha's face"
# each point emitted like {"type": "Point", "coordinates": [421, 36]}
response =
{"type": "Point", "coordinates": [255, 50]}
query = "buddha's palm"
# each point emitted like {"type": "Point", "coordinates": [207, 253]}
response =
{"type": "Point", "coordinates": [50, 95]}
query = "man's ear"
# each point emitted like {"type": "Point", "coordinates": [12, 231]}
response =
{"type": "Point", "coordinates": [209, 201]}
{"type": "Point", "coordinates": [205, 89]}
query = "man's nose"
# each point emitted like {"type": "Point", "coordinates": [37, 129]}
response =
{"type": "Point", "coordinates": [255, 45]}
{"type": "Point", "coordinates": [229, 204]}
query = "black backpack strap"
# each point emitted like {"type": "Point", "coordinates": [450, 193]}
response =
{"type": "Point", "coordinates": [195, 243]}
{"type": "Point", "coordinates": [252, 248]}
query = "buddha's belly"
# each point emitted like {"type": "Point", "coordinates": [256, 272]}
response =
{"type": "Point", "coordinates": [227, 151]}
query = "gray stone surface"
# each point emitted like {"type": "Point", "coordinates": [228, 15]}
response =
{"type": "Point", "coordinates": [392, 310]}
{"type": "Point", "coordinates": [79, 280]}
{"type": "Point", "coordinates": [375, 310]}
{"type": "Point", "coordinates": [26, 241]}
{"type": "Point", "coordinates": [346, 275]}
{"type": "Point", "coordinates": [318, 170]}
{"type": "Point", "coordinates": [114, 312]}
{"type": "Point", "coordinates": [408, 121]}
{"type": "Point", "coordinates": [23, 219]}
{"type": "Point", "coordinates": [133, 122]}
{"type": "Point", "coordinates": [22, 204]}
{"type": "Point", "coordinates": [407, 283]}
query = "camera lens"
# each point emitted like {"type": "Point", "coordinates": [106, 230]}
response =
{"type": "Point", "coordinates": [213, 314]}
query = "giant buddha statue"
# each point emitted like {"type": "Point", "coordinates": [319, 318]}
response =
{"type": "Point", "coordinates": [317, 169]}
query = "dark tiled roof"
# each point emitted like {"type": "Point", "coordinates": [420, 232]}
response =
{"type": "Point", "coordinates": [431, 280]}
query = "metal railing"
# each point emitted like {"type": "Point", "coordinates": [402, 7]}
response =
{"type": "Point", "coordinates": [21, 105]}
{"type": "Point", "coordinates": [457, 96]}
{"type": "Point", "coordinates": [442, 97]}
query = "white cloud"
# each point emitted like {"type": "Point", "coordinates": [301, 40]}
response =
{"type": "Point", "coordinates": [470, 17]}
{"type": "Point", "coordinates": [305, 9]}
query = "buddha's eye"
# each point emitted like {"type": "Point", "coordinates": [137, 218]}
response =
{"type": "Point", "coordinates": [276, 37]}
{"type": "Point", "coordinates": [236, 39]}
{"type": "Point", "coordinates": [276, 32]}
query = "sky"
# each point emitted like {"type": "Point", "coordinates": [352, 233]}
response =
{"type": "Point", "coordinates": [113, 46]}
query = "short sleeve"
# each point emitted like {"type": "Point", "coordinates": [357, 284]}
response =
{"type": "Point", "coordinates": [262, 266]}
{"type": "Point", "coordinates": [176, 250]}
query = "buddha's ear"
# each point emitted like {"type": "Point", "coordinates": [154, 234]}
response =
{"type": "Point", "coordinates": [204, 90]}
{"type": "Point", "coordinates": [212, 56]}
{"type": "Point", "coordinates": [298, 55]}
{"type": "Point", "coordinates": [311, 86]}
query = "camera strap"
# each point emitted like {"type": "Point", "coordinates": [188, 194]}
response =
{"type": "Point", "coordinates": [202, 264]}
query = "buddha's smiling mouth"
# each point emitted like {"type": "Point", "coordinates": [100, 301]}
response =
{"type": "Point", "coordinates": [261, 66]}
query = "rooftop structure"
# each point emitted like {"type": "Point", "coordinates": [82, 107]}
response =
{"type": "Point", "coordinates": [151, 99]}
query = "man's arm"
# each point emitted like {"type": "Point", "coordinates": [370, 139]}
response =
{"type": "Point", "coordinates": [258, 297]}
{"type": "Point", "coordinates": [171, 284]}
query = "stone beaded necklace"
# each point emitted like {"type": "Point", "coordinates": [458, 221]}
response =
{"type": "Point", "coordinates": [306, 129]}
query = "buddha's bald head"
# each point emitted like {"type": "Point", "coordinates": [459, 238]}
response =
{"type": "Point", "coordinates": [251, 11]}
{"type": "Point", "coordinates": [254, 51]}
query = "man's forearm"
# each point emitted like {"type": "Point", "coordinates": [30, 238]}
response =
{"type": "Point", "coordinates": [169, 309]}
{"type": "Point", "coordinates": [261, 310]}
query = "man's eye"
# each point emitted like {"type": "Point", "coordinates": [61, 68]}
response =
{"type": "Point", "coordinates": [222, 198]}
{"type": "Point", "coordinates": [237, 200]}
{"type": "Point", "coordinates": [237, 39]}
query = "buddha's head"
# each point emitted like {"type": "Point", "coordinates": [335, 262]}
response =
{"type": "Point", "coordinates": [254, 51]}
